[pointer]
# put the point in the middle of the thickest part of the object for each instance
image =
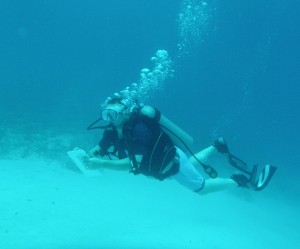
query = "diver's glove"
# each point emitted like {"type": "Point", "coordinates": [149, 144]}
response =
{"type": "Point", "coordinates": [94, 151]}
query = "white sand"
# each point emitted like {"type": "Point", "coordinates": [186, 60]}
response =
{"type": "Point", "coordinates": [45, 204]}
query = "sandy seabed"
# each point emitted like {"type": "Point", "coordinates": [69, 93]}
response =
{"type": "Point", "coordinates": [48, 204]}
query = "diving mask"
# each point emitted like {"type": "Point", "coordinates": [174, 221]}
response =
{"type": "Point", "coordinates": [111, 114]}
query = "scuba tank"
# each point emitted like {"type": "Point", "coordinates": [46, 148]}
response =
{"type": "Point", "coordinates": [178, 136]}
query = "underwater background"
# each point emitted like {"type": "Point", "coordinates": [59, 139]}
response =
{"type": "Point", "coordinates": [236, 75]}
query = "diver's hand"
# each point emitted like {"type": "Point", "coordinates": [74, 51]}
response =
{"type": "Point", "coordinates": [94, 151]}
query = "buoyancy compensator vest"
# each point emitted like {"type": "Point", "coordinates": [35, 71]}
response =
{"type": "Point", "coordinates": [159, 153]}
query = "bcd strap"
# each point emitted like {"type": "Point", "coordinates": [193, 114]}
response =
{"type": "Point", "coordinates": [207, 168]}
{"type": "Point", "coordinates": [134, 165]}
{"type": "Point", "coordinates": [157, 115]}
{"type": "Point", "coordinates": [210, 171]}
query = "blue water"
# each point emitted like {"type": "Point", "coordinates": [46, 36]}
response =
{"type": "Point", "coordinates": [59, 60]}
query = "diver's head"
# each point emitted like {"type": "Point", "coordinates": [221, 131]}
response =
{"type": "Point", "coordinates": [115, 112]}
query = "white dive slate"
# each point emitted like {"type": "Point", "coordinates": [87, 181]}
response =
{"type": "Point", "coordinates": [77, 155]}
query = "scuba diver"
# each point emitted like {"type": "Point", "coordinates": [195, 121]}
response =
{"type": "Point", "coordinates": [145, 142]}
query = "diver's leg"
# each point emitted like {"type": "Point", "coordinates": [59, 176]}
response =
{"type": "Point", "coordinates": [216, 185]}
{"type": "Point", "coordinates": [189, 177]}
{"type": "Point", "coordinates": [205, 155]}
{"type": "Point", "coordinates": [255, 182]}
{"type": "Point", "coordinates": [219, 148]}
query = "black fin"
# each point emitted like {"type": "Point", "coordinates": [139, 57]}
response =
{"type": "Point", "coordinates": [238, 163]}
{"type": "Point", "coordinates": [262, 180]}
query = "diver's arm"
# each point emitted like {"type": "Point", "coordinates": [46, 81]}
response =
{"type": "Point", "coordinates": [97, 163]}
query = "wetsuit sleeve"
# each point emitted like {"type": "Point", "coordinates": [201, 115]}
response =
{"type": "Point", "coordinates": [108, 139]}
